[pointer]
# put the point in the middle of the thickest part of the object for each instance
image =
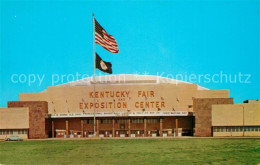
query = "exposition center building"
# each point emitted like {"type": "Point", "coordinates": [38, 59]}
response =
{"type": "Point", "coordinates": [127, 106]}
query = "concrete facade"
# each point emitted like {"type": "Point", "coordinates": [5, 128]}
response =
{"type": "Point", "coordinates": [14, 121]}
{"type": "Point", "coordinates": [37, 117]}
{"type": "Point", "coordinates": [236, 119]}
{"type": "Point", "coordinates": [202, 108]}
{"type": "Point", "coordinates": [125, 106]}
{"type": "Point", "coordinates": [132, 105]}
{"type": "Point", "coordinates": [128, 94]}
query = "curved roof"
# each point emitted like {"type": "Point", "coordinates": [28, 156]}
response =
{"type": "Point", "coordinates": [120, 79]}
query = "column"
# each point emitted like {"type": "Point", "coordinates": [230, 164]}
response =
{"type": "Point", "coordinates": [145, 127]}
{"type": "Point", "coordinates": [28, 133]}
{"type": "Point", "coordinates": [176, 126]}
{"type": "Point", "coordinates": [161, 126]}
{"type": "Point", "coordinates": [193, 125]}
{"type": "Point", "coordinates": [113, 129]}
{"type": "Point", "coordinates": [67, 128]}
{"type": "Point", "coordinates": [82, 127]}
{"type": "Point", "coordinates": [97, 122]}
{"type": "Point", "coordinates": [129, 127]}
{"type": "Point", "coordinates": [52, 128]}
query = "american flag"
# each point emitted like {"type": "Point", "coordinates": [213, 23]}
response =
{"type": "Point", "coordinates": [104, 39]}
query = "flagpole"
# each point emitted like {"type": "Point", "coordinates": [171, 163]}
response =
{"type": "Point", "coordinates": [94, 67]}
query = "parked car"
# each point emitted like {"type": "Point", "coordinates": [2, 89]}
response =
{"type": "Point", "coordinates": [14, 138]}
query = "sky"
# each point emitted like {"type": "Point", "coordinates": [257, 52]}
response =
{"type": "Point", "coordinates": [214, 44]}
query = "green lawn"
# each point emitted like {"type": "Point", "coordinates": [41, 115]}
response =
{"type": "Point", "coordinates": [132, 151]}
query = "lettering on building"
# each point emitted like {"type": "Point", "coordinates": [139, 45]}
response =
{"type": "Point", "coordinates": [117, 100]}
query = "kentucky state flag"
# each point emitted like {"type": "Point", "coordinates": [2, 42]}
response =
{"type": "Point", "coordinates": [103, 65]}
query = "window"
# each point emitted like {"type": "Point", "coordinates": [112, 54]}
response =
{"type": "Point", "coordinates": [228, 129]}
{"type": "Point", "coordinates": [250, 129]}
{"type": "Point", "coordinates": [220, 129]}
{"type": "Point", "coordinates": [106, 121]}
{"type": "Point", "coordinates": [121, 121]}
{"type": "Point", "coordinates": [217, 129]}
{"type": "Point", "coordinates": [22, 131]}
{"type": "Point", "coordinates": [137, 120]}
{"type": "Point", "coordinates": [89, 121]}
{"type": "Point", "coordinates": [153, 121]}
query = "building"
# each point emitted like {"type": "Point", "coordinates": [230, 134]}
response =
{"type": "Point", "coordinates": [122, 105]}
{"type": "Point", "coordinates": [14, 121]}
{"type": "Point", "coordinates": [236, 119]}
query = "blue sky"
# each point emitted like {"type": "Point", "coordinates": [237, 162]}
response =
{"type": "Point", "coordinates": [154, 37]}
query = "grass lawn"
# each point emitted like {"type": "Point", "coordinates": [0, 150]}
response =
{"type": "Point", "coordinates": [132, 151]}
